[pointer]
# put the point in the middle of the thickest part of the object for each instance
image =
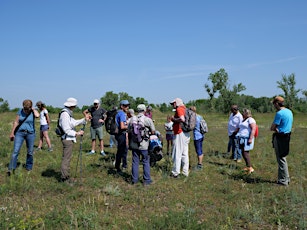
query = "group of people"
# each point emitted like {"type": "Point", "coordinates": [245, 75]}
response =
{"type": "Point", "coordinates": [241, 132]}
{"type": "Point", "coordinates": [242, 129]}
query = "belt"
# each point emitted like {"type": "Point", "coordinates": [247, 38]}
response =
{"type": "Point", "coordinates": [25, 131]}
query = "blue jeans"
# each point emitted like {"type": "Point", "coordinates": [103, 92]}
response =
{"type": "Point", "coordinates": [237, 155]}
{"type": "Point", "coordinates": [122, 151]}
{"type": "Point", "coordinates": [20, 136]}
{"type": "Point", "coordinates": [138, 155]}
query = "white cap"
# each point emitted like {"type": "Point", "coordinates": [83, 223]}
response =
{"type": "Point", "coordinates": [96, 101]}
{"type": "Point", "coordinates": [141, 107]}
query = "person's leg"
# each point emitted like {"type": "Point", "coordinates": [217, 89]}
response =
{"type": "Point", "coordinates": [66, 158]}
{"type": "Point", "coordinates": [185, 153]}
{"type": "Point", "coordinates": [18, 141]}
{"type": "Point", "coordinates": [121, 153]}
{"type": "Point", "coordinates": [46, 136]}
{"type": "Point", "coordinates": [135, 166]}
{"type": "Point", "coordinates": [41, 138]}
{"type": "Point", "coordinates": [146, 167]}
{"type": "Point", "coordinates": [30, 138]}
{"type": "Point", "coordinates": [283, 171]}
{"type": "Point", "coordinates": [176, 155]}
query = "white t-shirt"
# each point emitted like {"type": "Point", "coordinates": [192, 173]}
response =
{"type": "Point", "coordinates": [245, 128]}
{"type": "Point", "coordinates": [42, 117]}
{"type": "Point", "coordinates": [234, 122]}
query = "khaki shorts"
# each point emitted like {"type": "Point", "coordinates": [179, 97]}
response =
{"type": "Point", "coordinates": [96, 132]}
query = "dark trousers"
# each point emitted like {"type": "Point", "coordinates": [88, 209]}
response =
{"type": "Point", "coordinates": [122, 150]}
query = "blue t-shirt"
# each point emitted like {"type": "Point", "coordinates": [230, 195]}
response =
{"type": "Point", "coordinates": [27, 124]}
{"type": "Point", "coordinates": [284, 119]}
{"type": "Point", "coordinates": [120, 117]}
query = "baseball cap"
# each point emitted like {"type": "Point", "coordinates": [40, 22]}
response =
{"type": "Point", "coordinates": [96, 101]}
{"type": "Point", "coordinates": [141, 107]}
{"type": "Point", "coordinates": [124, 102]}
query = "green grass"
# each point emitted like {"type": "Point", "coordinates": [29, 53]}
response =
{"type": "Point", "coordinates": [218, 197]}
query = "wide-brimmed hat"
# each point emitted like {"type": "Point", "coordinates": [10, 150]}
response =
{"type": "Point", "coordinates": [71, 102]}
{"type": "Point", "coordinates": [124, 102]}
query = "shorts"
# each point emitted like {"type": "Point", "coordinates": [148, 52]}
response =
{"type": "Point", "coordinates": [44, 128]}
{"type": "Point", "coordinates": [169, 137]}
{"type": "Point", "coordinates": [96, 132]}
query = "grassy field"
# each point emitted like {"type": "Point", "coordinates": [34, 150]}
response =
{"type": "Point", "coordinates": [220, 196]}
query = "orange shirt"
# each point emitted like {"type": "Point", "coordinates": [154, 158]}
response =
{"type": "Point", "coordinates": [180, 111]}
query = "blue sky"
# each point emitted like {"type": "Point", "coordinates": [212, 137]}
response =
{"type": "Point", "coordinates": [158, 50]}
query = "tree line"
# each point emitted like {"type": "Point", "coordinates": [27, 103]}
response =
{"type": "Point", "coordinates": [221, 97]}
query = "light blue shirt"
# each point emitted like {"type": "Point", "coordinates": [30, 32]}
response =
{"type": "Point", "coordinates": [284, 120]}
{"type": "Point", "coordinates": [196, 132]}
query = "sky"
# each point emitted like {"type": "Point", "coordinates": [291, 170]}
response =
{"type": "Point", "coordinates": [158, 50]}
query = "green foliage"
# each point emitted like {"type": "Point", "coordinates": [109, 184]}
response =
{"type": "Point", "coordinates": [287, 85]}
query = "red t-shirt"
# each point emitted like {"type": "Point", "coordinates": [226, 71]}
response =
{"type": "Point", "coordinates": [180, 111]}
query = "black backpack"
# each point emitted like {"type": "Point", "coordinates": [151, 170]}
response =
{"type": "Point", "coordinates": [110, 122]}
{"type": "Point", "coordinates": [58, 130]}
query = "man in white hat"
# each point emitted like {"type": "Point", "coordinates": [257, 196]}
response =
{"type": "Point", "coordinates": [68, 124]}
{"type": "Point", "coordinates": [97, 116]}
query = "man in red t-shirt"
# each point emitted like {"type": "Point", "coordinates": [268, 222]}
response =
{"type": "Point", "coordinates": [181, 140]}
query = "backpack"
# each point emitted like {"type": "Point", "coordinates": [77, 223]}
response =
{"type": "Point", "coordinates": [138, 130]}
{"type": "Point", "coordinates": [58, 130]}
{"type": "Point", "coordinates": [256, 131]}
{"type": "Point", "coordinates": [190, 120]}
{"type": "Point", "coordinates": [203, 126]}
{"type": "Point", "coordinates": [110, 122]}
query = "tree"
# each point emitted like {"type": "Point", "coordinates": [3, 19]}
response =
{"type": "Point", "coordinates": [109, 100]}
{"type": "Point", "coordinates": [218, 82]}
{"type": "Point", "coordinates": [287, 84]}
{"type": "Point", "coordinates": [4, 105]}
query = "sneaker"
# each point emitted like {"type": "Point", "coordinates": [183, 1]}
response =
{"type": "Point", "coordinates": [38, 149]}
{"type": "Point", "coordinates": [250, 170]}
{"type": "Point", "coordinates": [239, 160]}
{"type": "Point", "coordinates": [174, 176]}
{"type": "Point", "coordinates": [124, 169]}
{"type": "Point", "coordinates": [199, 167]}
{"type": "Point", "coordinates": [50, 149]}
{"type": "Point", "coordinates": [103, 153]}
{"type": "Point", "coordinates": [91, 152]}
{"type": "Point", "coordinates": [8, 173]}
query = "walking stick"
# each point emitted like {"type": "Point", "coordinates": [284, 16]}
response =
{"type": "Point", "coordinates": [80, 154]}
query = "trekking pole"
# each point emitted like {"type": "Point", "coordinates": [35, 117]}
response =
{"type": "Point", "coordinates": [80, 154]}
